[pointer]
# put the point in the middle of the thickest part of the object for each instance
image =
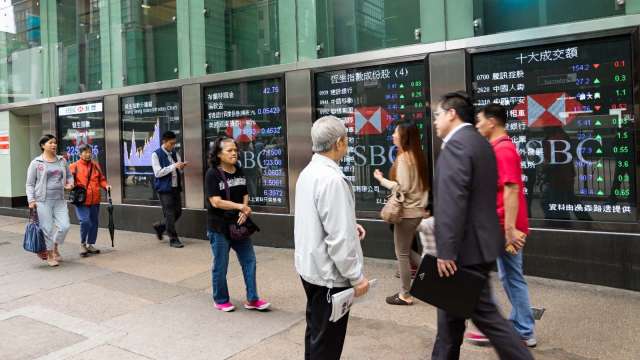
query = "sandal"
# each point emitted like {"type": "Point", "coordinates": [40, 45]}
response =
{"type": "Point", "coordinates": [397, 300]}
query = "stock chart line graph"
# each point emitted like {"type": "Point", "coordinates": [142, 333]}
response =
{"type": "Point", "coordinates": [135, 156]}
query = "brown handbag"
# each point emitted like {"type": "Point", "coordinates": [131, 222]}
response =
{"type": "Point", "coordinates": [392, 211]}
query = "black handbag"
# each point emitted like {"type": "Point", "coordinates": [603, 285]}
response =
{"type": "Point", "coordinates": [236, 231]}
{"type": "Point", "coordinates": [78, 195]}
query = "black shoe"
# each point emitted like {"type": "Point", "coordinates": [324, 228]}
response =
{"type": "Point", "coordinates": [159, 230]}
{"type": "Point", "coordinates": [175, 243]}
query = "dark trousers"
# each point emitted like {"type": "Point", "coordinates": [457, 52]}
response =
{"type": "Point", "coordinates": [323, 339]}
{"type": "Point", "coordinates": [172, 210]}
{"type": "Point", "coordinates": [486, 317]}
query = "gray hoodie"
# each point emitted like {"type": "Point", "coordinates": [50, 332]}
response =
{"type": "Point", "coordinates": [37, 178]}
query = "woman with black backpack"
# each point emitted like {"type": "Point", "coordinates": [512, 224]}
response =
{"type": "Point", "coordinates": [229, 224]}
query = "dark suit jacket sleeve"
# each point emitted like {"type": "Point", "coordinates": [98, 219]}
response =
{"type": "Point", "coordinates": [453, 187]}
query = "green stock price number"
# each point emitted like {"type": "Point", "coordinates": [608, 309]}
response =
{"type": "Point", "coordinates": [623, 164]}
{"type": "Point", "coordinates": [624, 135]}
{"type": "Point", "coordinates": [621, 149]}
{"type": "Point", "coordinates": [621, 92]}
{"type": "Point", "coordinates": [622, 192]}
{"type": "Point", "coordinates": [620, 78]}
{"type": "Point", "coordinates": [623, 178]}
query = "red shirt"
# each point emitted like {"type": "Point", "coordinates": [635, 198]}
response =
{"type": "Point", "coordinates": [509, 172]}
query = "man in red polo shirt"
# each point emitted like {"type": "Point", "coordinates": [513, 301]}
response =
{"type": "Point", "coordinates": [512, 212]}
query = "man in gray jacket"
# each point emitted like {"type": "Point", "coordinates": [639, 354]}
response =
{"type": "Point", "coordinates": [328, 255]}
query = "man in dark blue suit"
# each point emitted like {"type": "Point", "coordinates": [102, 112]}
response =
{"type": "Point", "coordinates": [466, 227]}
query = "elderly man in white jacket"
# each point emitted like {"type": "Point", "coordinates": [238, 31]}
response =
{"type": "Point", "coordinates": [328, 255]}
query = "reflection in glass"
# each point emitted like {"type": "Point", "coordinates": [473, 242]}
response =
{"type": "Point", "coordinates": [241, 34]}
{"type": "Point", "coordinates": [80, 124]}
{"type": "Point", "coordinates": [150, 40]}
{"type": "Point", "coordinates": [144, 119]}
{"type": "Point", "coordinates": [350, 26]}
{"type": "Point", "coordinates": [79, 45]}
{"type": "Point", "coordinates": [252, 113]}
{"type": "Point", "coordinates": [20, 52]}
{"type": "Point", "coordinates": [505, 15]}
{"type": "Point", "coordinates": [570, 116]}
{"type": "Point", "coordinates": [370, 101]}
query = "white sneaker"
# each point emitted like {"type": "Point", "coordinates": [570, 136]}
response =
{"type": "Point", "coordinates": [530, 342]}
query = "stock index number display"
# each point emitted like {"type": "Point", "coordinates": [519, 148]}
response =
{"type": "Point", "coordinates": [252, 113]}
{"type": "Point", "coordinates": [570, 114]}
{"type": "Point", "coordinates": [370, 101]}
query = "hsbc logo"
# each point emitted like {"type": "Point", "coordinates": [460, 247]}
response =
{"type": "Point", "coordinates": [552, 109]}
{"type": "Point", "coordinates": [370, 120]}
{"type": "Point", "coordinates": [243, 130]}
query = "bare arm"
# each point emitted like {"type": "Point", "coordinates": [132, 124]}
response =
{"type": "Point", "coordinates": [511, 203]}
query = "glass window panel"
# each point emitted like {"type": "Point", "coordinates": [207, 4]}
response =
{"type": "Point", "coordinates": [20, 52]}
{"type": "Point", "coordinates": [505, 15]}
{"type": "Point", "coordinates": [150, 40]}
{"type": "Point", "coordinates": [79, 45]}
{"type": "Point", "coordinates": [370, 101]}
{"type": "Point", "coordinates": [351, 26]}
{"type": "Point", "coordinates": [144, 119]}
{"type": "Point", "coordinates": [571, 118]}
{"type": "Point", "coordinates": [241, 34]}
{"type": "Point", "coordinates": [253, 114]}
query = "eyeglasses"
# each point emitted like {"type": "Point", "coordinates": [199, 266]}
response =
{"type": "Point", "coordinates": [438, 113]}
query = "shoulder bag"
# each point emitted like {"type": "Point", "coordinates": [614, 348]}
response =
{"type": "Point", "coordinates": [392, 211]}
{"type": "Point", "coordinates": [236, 231]}
{"type": "Point", "coordinates": [78, 195]}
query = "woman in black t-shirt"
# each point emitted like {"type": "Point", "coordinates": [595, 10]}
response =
{"type": "Point", "coordinates": [229, 203]}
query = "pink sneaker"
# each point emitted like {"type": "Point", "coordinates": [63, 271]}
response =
{"type": "Point", "coordinates": [257, 305]}
{"type": "Point", "coordinates": [226, 307]}
{"type": "Point", "coordinates": [476, 338]}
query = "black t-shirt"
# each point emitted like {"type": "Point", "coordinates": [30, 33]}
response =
{"type": "Point", "coordinates": [214, 186]}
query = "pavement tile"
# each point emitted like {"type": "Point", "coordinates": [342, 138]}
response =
{"type": "Point", "coordinates": [189, 326]}
{"type": "Point", "coordinates": [83, 300]}
{"type": "Point", "coordinates": [107, 352]}
{"type": "Point", "coordinates": [25, 338]}
{"type": "Point", "coordinates": [140, 287]}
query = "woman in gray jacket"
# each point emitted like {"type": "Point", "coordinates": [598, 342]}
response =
{"type": "Point", "coordinates": [47, 179]}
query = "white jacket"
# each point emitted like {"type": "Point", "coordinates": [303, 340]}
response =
{"type": "Point", "coordinates": [327, 248]}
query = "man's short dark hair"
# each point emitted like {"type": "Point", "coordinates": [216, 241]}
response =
{"type": "Point", "coordinates": [84, 147]}
{"type": "Point", "coordinates": [168, 135]}
{"type": "Point", "coordinates": [496, 112]}
{"type": "Point", "coordinates": [460, 102]}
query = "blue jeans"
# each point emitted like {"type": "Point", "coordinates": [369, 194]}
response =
{"type": "Point", "coordinates": [510, 273]}
{"type": "Point", "coordinates": [220, 247]}
{"type": "Point", "coordinates": [88, 216]}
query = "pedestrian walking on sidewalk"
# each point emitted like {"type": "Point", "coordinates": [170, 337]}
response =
{"type": "Point", "coordinates": [88, 174]}
{"type": "Point", "coordinates": [409, 175]}
{"type": "Point", "coordinates": [228, 203]}
{"type": "Point", "coordinates": [48, 177]}
{"type": "Point", "coordinates": [514, 221]}
{"type": "Point", "coordinates": [468, 234]}
{"type": "Point", "coordinates": [328, 256]}
{"type": "Point", "coordinates": [167, 169]}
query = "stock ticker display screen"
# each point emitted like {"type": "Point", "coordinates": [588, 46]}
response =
{"type": "Point", "coordinates": [570, 114]}
{"type": "Point", "coordinates": [253, 114]}
{"type": "Point", "coordinates": [370, 100]}
{"type": "Point", "coordinates": [144, 118]}
{"type": "Point", "coordinates": [80, 124]}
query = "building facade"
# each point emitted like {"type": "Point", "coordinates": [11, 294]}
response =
{"type": "Point", "coordinates": [117, 73]}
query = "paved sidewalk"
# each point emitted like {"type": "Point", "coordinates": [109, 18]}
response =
{"type": "Point", "coordinates": [144, 300]}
